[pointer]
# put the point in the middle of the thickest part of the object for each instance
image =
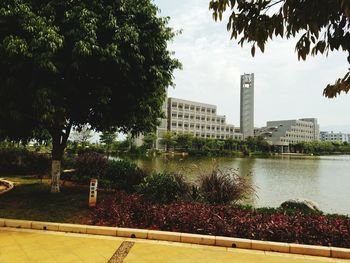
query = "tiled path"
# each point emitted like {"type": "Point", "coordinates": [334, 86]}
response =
{"type": "Point", "coordinates": [19, 245]}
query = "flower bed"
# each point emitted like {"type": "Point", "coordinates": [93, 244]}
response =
{"type": "Point", "coordinates": [222, 220]}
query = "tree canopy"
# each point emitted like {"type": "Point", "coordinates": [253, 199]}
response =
{"type": "Point", "coordinates": [71, 63]}
{"type": "Point", "coordinates": [323, 26]}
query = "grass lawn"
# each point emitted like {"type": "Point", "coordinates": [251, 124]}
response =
{"type": "Point", "coordinates": [31, 200]}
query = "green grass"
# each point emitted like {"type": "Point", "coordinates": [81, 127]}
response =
{"type": "Point", "coordinates": [31, 200]}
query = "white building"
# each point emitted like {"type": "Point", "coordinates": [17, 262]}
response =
{"type": "Point", "coordinates": [334, 136]}
{"type": "Point", "coordinates": [199, 119]}
{"type": "Point", "coordinates": [247, 105]}
{"type": "Point", "coordinates": [285, 132]}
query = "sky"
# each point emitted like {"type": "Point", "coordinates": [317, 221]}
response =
{"type": "Point", "coordinates": [285, 88]}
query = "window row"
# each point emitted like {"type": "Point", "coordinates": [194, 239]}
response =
{"type": "Point", "coordinates": [198, 126]}
{"type": "Point", "coordinates": [181, 106]}
{"type": "Point", "coordinates": [198, 118]}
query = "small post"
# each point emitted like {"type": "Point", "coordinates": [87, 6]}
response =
{"type": "Point", "coordinates": [93, 193]}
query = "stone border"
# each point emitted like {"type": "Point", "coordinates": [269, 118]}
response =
{"type": "Point", "coordinates": [228, 242]}
{"type": "Point", "coordinates": [9, 185]}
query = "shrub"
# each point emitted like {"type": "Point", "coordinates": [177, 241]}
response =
{"type": "Point", "coordinates": [124, 175]}
{"type": "Point", "coordinates": [20, 160]}
{"type": "Point", "coordinates": [36, 163]}
{"type": "Point", "coordinates": [224, 186]}
{"type": "Point", "coordinates": [124, 211]}
{"type": "Point", "coordinates": [90, 165]}
{"type": "Point", "coordinates": [223, 220]}
{"type": "Point", "coordinates": [163, 187]}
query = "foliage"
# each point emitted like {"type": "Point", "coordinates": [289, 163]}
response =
{"type": "Point", "coordinates": [168, 139]}
{"type": "Point", "coordinates": [81, 135]}
{"type": "Point", "coordinates": [215, 147]}
{"type": "Point", "coordinates": [107, 138]}
{"type": "Point", "coordinates": [184, 140]}
{"type": "Point", "coordinates": [117, 175]}
{"type": "Point", "coordinates": [319, 147]}
{"type": "Point", "coordinates": [224, 186]}
{"type": "Point", "coordinates": [323, 25]}
{"type": "Point", "coordinates": [21, 161]}
{"type": "Point", "coordinates": [149, 140]}
{"type": "Point", "coordinates": [124, 175]}
{"type": "Point", "coordinates": [163, 187]}
{"type": "Point", "coordinates": [91, 165]}
{"type": "Point", "coordinates": [223, 220]}
{"type": "Point", "coordinates": [73, 63]}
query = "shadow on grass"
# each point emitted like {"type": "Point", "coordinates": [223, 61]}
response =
{"type": "Point", "coordinates": [33, 201]}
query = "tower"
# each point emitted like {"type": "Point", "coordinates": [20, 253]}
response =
{"type": "Point", "coordinates": [247, 105]}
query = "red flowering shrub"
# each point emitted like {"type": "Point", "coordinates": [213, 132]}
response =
{"type": "Point", "coordinates": [191, 217]}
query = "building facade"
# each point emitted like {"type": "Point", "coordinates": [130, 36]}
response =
{"type": "Point", "coordinates": [247, 105]}
{"type": "Point", "coordinates": [334, 136]}
{"type": "Point", "coordinates": [285, 132]}
{"type": "Point", "coordinates": [199, 119]}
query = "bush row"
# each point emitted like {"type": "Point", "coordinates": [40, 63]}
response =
{"type": "Point", "coordinates": [22, 161]}
{"type": "Point", "coordinates": [216, 186]}
{"type": "Point", "coordinates": [193, 217]}
{"type": "Point", "coordinates": [116, 174]}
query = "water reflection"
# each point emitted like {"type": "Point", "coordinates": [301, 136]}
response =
{"type": "Point", "coordinates": [325, 180]}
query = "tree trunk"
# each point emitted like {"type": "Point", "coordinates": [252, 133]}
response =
{"type": "Point", "coordinates": [55, 176]}
{"type": "Point", "coordinates": [59, 143]}
{"type": "Point", "coordinates": [57, 154]}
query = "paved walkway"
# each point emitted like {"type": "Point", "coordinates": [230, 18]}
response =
{"type": "Point", "coordinates": [19, 245]}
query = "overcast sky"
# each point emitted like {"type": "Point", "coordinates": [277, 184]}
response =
{"type": "Point", "coordinates": [285, 88]}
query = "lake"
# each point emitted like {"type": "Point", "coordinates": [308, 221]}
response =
{"type": "Point", "coordinates": [322, 179]}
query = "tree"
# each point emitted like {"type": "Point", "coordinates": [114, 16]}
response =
{"type": "Point", "coordinates": [198, 143]}
{"type": "Point", "coordinates": [324, 26]}
{"type": "Point", "coordinates": [81, 135]}
{"type": "Point", "coordinates": [149, 140]}
{"type": "Point", "coordinates": [71, 63]}
{"type": "Point", "coordinates": [107, 138]}
{"type": "Point", "coordinates": [184, 140]}
{"type": "Point", "coordinates": [168, 139]}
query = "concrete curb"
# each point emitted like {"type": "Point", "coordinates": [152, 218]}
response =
{"type": "Point", "coordinates": [9, 185]}
{"type": "Point", "coordinates": [228, 242]}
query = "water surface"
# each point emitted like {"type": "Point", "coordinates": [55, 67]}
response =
{"type": "Point", "coordinates": [324, 179]}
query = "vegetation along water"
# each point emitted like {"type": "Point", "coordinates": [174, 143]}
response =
{"type": "Point", "coordinates": [323, 179]}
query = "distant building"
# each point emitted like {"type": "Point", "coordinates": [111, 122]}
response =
{"type": "Point", "coordinates": [285, 132]}
{"type": "Point", "coordinates": [247, 105]}
{"type": "Point", "coordinates": [316, 127]}
{"type": "Point", "coordinates": [334, 136]}
{"type": "Point", "coordinates": [199, 119]}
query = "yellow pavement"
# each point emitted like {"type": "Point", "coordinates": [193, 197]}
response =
{"type": "Point", "coordinates": [19, 245]}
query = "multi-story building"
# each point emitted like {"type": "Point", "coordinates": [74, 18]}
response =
{"type": "Point", "coordinates": [334, 136]}
{"type": "Point", "coordinates": [316, 127]}
{"type": "Point", "coordinates": [285, 132]}
{"type": "Point", "coordinates": [199, 119]}
{"type": "Point", "coordinates": [247, 105]}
